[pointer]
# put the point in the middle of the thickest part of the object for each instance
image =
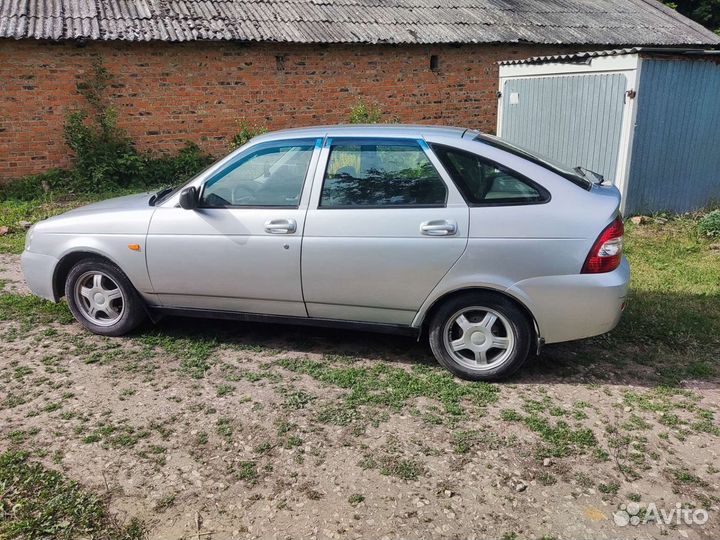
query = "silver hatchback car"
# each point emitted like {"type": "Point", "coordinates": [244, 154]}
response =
{"type": "Point", "coordinates": [487, 249]}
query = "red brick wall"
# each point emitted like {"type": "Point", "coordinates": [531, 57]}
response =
{"type": "Point", "coordinates": [166, 94]}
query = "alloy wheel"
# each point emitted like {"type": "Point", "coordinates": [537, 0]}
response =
{"type": "Point", "coordinates": [100, 299]}
{"type": "Point", "coordinates": [479, 338]}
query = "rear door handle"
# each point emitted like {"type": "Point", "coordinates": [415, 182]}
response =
{"type": "Point", "coordinates": [438, 227]}
{"type": "Point", "coordinates": [280, 226]}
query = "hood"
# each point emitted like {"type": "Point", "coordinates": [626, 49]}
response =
{"type": "Point", "coordinates": [127, 202]}
{"type": "Point", "coordinates": [122, 215]}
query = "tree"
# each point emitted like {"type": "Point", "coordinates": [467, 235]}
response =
{"type": "Point", "coordinates": [705, 12]}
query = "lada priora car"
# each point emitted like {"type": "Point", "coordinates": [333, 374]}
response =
{"type": "Point", "coordinates": [484, 248]}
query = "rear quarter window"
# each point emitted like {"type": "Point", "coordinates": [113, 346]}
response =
{"type": "Point", "coordinates": [483, 182]}
{"type": "Point", "coordinates": [561, 170]}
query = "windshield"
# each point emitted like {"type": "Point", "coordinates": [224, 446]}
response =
{"type": "Point", "coordinates": [576, 177]}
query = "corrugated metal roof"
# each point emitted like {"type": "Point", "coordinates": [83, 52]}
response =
{"type": "Point", "coordinates": [576, 22]}
{"type": "Point", "coordinates": [585, 55]}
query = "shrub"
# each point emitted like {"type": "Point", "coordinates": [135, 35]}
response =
{"type": "Point", "coordinates": [247, 132]}
{"type": "Point", "coordinates": [36, 186]}
{"type": "Point", "coordinates": [104, 156]}
{"type": "Point", "coordinates": [173, 170]}
{"type": "Point", "coordinates": [362, 113]}
{"type": "Point", "coordinates": [709, 224]}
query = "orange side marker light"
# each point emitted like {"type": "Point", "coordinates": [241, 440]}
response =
{"type": "Point", "coordinates": [134, 247]}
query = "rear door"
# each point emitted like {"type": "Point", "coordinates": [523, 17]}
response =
{"type": "Point", "coordinates": [383, 227]}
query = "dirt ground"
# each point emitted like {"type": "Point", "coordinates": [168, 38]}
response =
{"type": "Point", "coordinates": [207, 429]}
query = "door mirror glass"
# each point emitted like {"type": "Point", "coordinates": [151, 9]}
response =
{"type": "Point", "coordinates": [189, 198]}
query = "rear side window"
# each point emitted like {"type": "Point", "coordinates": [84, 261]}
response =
{"type": "Point", "coordinates": [484, 182]}
{"type": "Point", "coordinates": [366, 173]}
{"type": "Point", "coordinates": [576, 176]}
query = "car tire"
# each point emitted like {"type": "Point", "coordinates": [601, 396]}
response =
{"type": "Point", "coordinates": [102, 299]}
{"type": "Point", "coordinates": [480, 336]}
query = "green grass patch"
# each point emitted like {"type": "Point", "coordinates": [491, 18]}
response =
{"type": "Point", "coordinates": [40, 503]}
{"type": "Point", "coordinates": [674, 306]}
{"type": "Point", "coordinates": [193, 351]}
{"type": "Point", "coordinates": [393, 465]}
{"type": "Point", "coordinates": [558, 438]}
{"type": "Point", "coordinates": [380, 384]}
{"type": "Point", "coordinates": [247, 471]}
{"type": "Point", "coordinates": [34, 310]}
{"type": "Point", "coordinates": [355, 499]}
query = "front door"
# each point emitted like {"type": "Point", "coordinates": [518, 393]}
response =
{"type": "Point", "coordinates": [240, 249]}
{"type": "Point", "coordinates": [382, 229]}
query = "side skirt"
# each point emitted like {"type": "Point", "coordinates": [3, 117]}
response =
{"type": "Point", "coordinates": [281, 319]}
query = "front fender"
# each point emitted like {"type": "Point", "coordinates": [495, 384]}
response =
{"type": "Point", "coordinates": [113, 247]}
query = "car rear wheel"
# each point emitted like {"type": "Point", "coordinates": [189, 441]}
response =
{"type": "Point", "coordinates": [480, 336]}
{"type": "Point", "coordinates": [102, 298]}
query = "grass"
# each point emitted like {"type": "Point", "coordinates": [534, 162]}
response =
{"type": "Point", "coordinates": [381, 384]}
{"type": "Point", "coordinates": [40, 503]}
{"type": "Point", "coordinates": [673, 315]}
{"type": "Point", "coordinates": [32, 310]}
{"type": "Point", "coordinates": [194, 352]}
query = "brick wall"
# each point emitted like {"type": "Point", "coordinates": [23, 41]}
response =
{"type": "Point", "coordinates": [166, 94]}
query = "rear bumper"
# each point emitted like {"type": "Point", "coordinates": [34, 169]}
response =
{"type": "Point", "coordinates": [575, 306]}
{"type": "Point", "coordinates": [39, 270]}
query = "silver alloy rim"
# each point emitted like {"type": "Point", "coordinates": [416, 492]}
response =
{"type": "Point", "coordinates": [99, 298]}
{"type": "Point", "coordinates": [479, 338]}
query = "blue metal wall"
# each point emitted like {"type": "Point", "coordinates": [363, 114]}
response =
{"type": "Point", "coordinates": [573, 119]}
{"type": "Point", "coordinates": [675, 160]}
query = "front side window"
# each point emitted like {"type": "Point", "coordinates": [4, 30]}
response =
{"type": "Point", "coordinates": [380, 174]}
{"type": "Point", "coordinates": [485, 182]}
{"type": "Point", "coordinates": [272, 175]}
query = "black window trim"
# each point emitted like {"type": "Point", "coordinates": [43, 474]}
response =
{"type": "Point", "coordinates": [546, 196]}
{"type": "Point", "coordinates": [381, 141]}
{"type": "Point", "coordinates": [316, 146]}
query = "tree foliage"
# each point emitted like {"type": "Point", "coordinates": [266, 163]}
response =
{"type": "Point", "coordinates": [705, 12]}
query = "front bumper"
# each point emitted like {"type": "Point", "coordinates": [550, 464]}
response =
{"type": "Point", "coordinates": [575, 306]}
{"type": "Point", "coordinates": [39, 270]}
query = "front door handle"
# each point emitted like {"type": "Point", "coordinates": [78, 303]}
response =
{"type": "Point", "coordinates": [438, 227]}
{"type": "Point", "coordinates": [280, 226]}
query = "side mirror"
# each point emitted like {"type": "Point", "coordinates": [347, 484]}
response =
{"type": "Point", "coordinates": [189, 198]}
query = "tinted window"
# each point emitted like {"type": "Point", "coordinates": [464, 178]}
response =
{"type": "Point", "coordinates": [484, 182]}
{"type": "Point", "coordinates": [380, 174]}
{"type": "Point", "coordinates": [569, 174]}
{"type": "Point", "coordinates": [272, 175]}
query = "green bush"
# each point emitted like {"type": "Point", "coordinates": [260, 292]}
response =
{"type": "Point", "coordinates": [36, 186]}
{"type": "Point", "coordinates": [709, 224]}
{"type": "Point", "coordinates": [247, 132]}
{"type": "Point", "coordinates": [104, 156]}
{"type": "Point", "coordinates": [173, 170]}
{"type": "Point", "coordinates": [362, 113]}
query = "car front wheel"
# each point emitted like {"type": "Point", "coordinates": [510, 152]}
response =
{"type": "Point", "coordinates": [102, 298]}
{"type": "Point", "coordinates": [480, 336]}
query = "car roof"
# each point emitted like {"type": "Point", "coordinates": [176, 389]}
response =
{"type": "Point", "coordinates": [365, 130]}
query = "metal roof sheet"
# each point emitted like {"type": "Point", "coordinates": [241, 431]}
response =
{"type": "Point", "coordinates": [573, 22]}
{"type": "Point", "coordinates": [586, 55]}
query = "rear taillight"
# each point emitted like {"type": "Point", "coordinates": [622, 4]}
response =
{"type": "Point", "coordinates": [607, 250]}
